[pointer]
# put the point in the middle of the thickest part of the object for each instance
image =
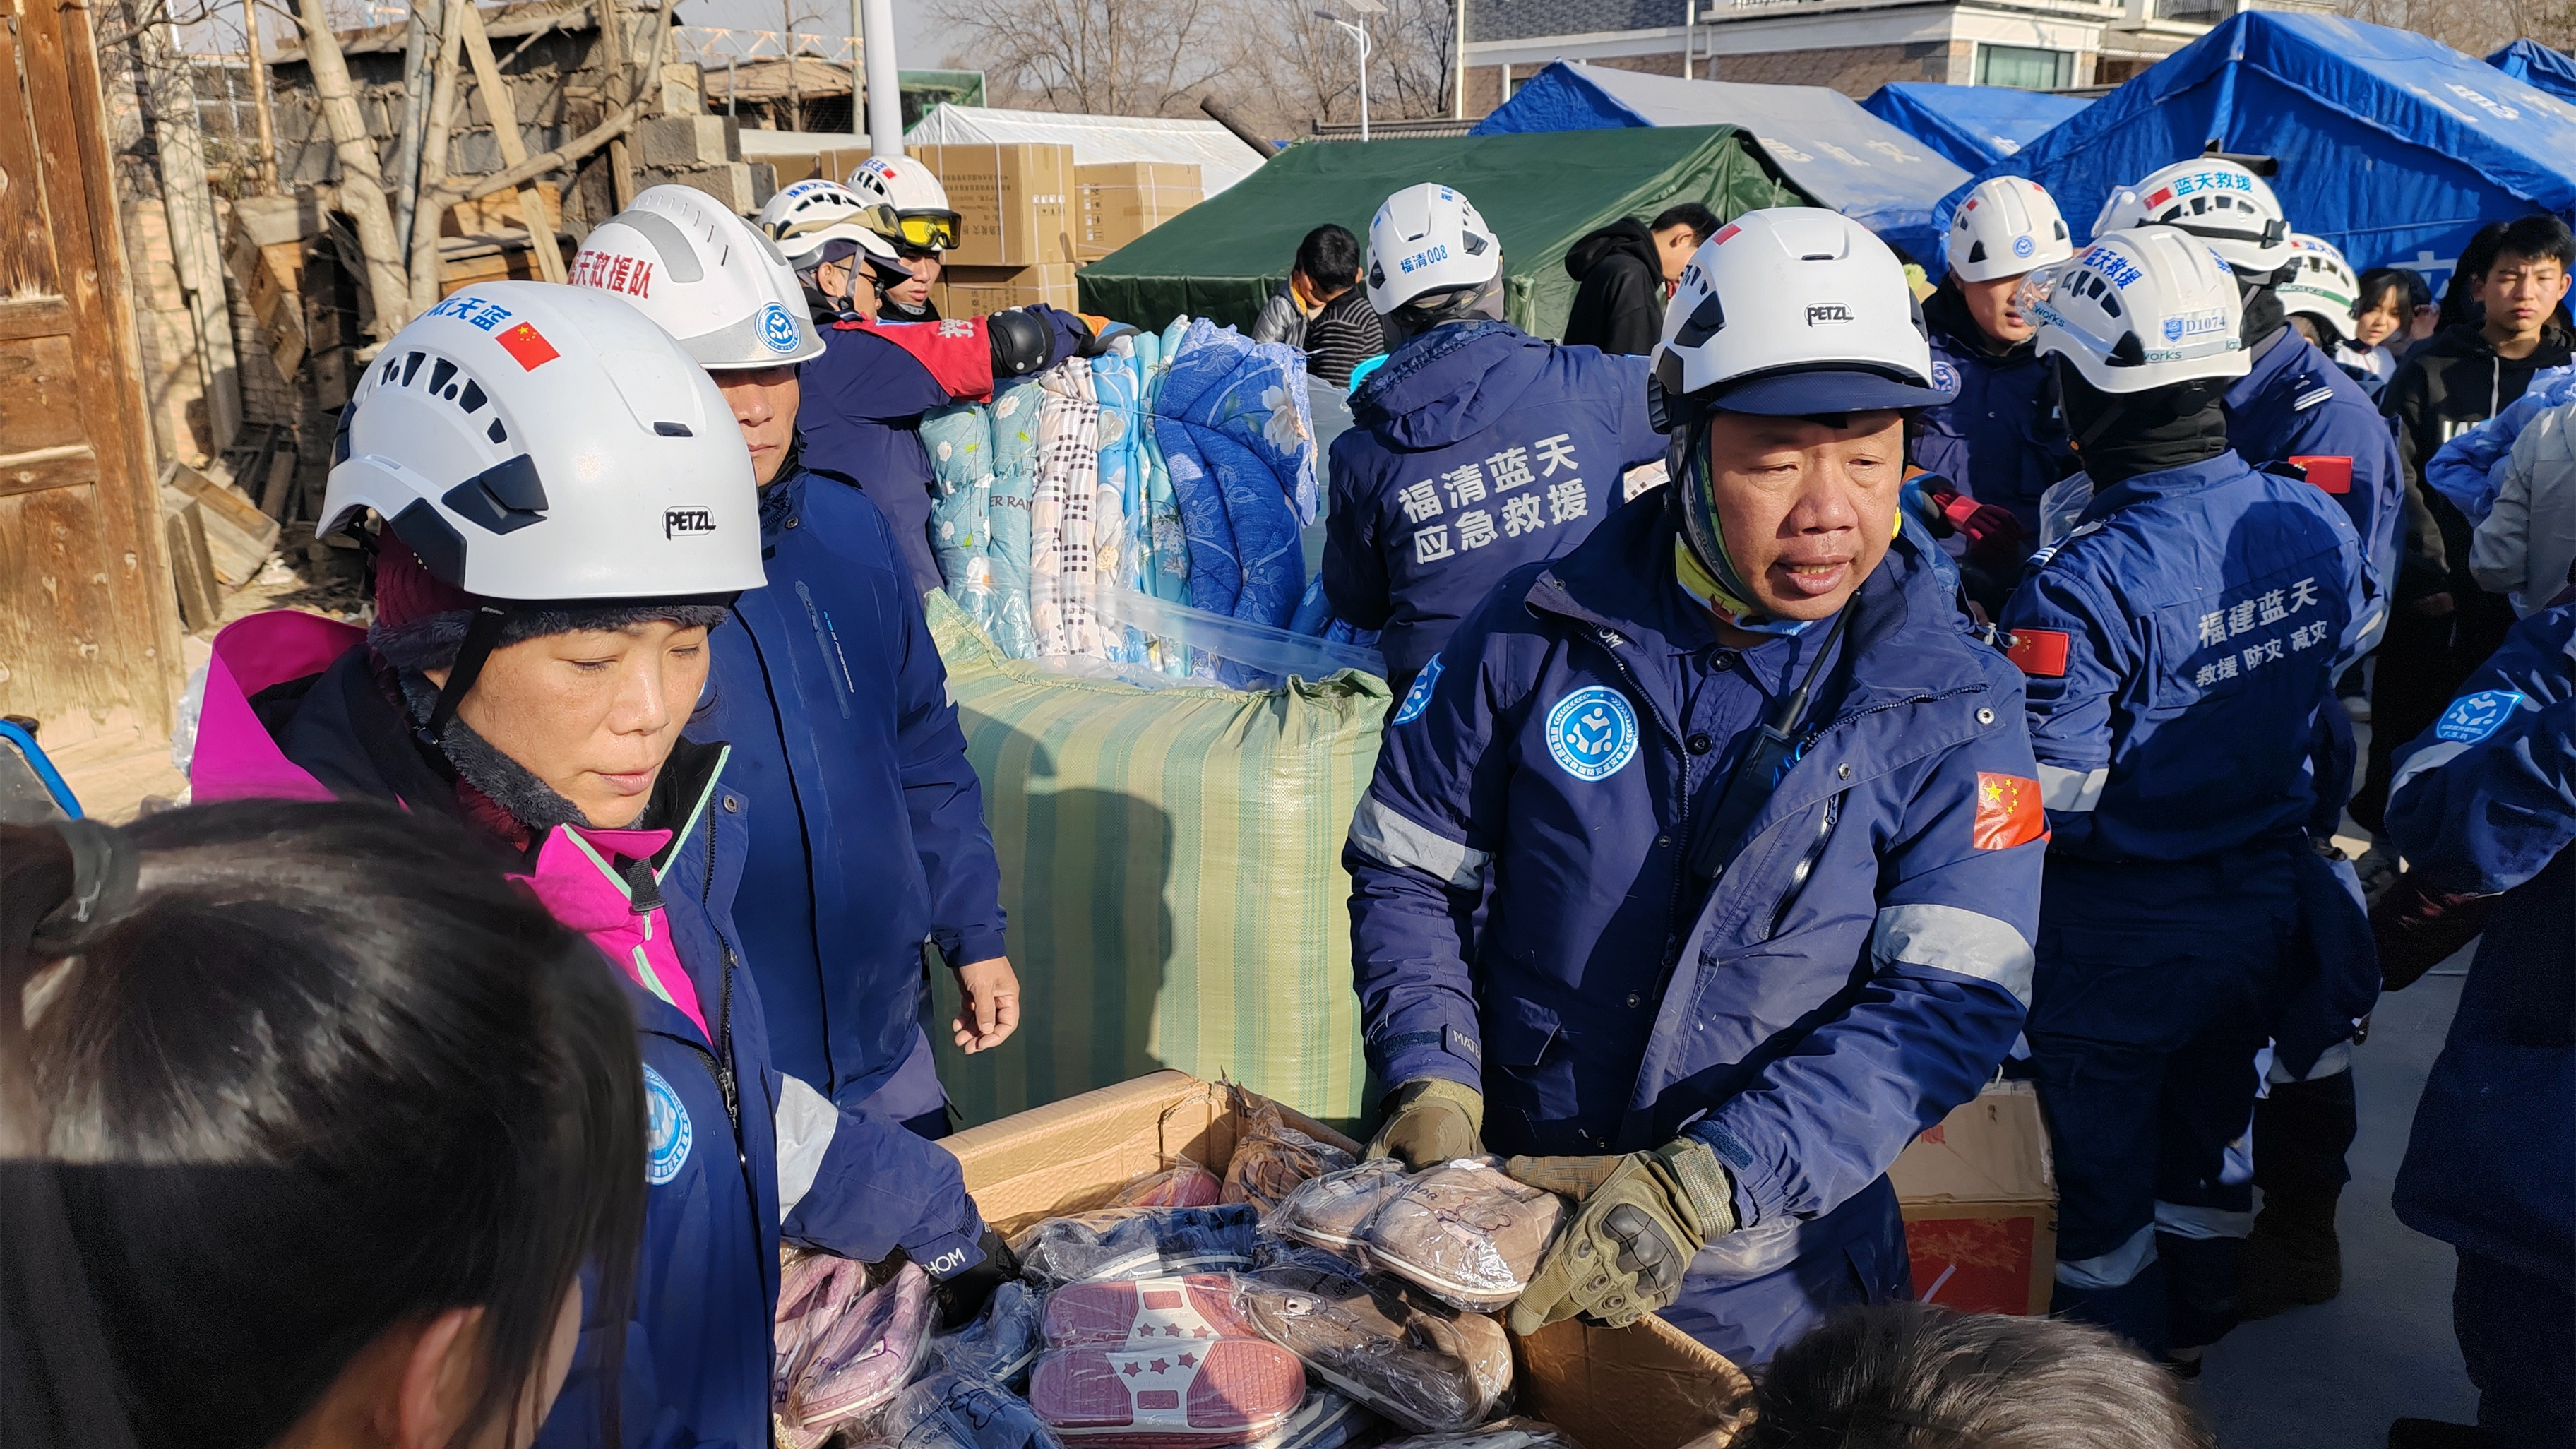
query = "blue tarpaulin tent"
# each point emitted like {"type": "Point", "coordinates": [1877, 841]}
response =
{"type": "Point", "coordinates": [2535, 64]}
{"type": "Point", "coordinates": [1819, 139]}
{"type": "Point", "coordinates": [1974, 126]}
{"type": "Point", "coordinates": [2393, 147]}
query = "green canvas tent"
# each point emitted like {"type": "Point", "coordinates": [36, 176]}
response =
{"type": "Point", "coordinates": [1541, 193]}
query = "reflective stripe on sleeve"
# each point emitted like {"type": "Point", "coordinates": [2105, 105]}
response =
{"type": "Point", "coordinates": [1390, 838]}
{"type": "Point", "coordinates": [806, 1120]}
{"type": "Point", "coordinates": [1957, 940]}
{"type": "Point", "coordinates": [2072, 791]}
{"type": "Point", "coordinates": [2202, 1224]}
{"type": "Point", "coordinates": [2432, 756]}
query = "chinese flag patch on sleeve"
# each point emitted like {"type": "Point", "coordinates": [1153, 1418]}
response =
{"type": "Point", "coordinates": [528, 345]}
{"type": "Point", "coordinates": [2008, 811]}
{"type": "Point", "coordinates": [2039, 652]}
{"type": "Point", "coordinates": [2328, 472]}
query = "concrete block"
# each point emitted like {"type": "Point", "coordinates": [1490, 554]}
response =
{"type": "Point", "coordinates": [683, 141]}
{"type": "Point", "coordinates": [729, 182]}
{"type": "Point", "coordinates": [683, 89]}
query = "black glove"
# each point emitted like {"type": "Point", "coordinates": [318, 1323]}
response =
{"type": "Point", "coordinates": [963, 1294]}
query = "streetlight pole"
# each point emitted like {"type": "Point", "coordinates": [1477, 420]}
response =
{"type": "Point", "coordinates": [1362, 34]}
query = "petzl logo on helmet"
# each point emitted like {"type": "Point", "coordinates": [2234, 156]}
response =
{"type": "Point", "coordinates": [1592, 733]}
{"type": "Point", "coordinates": [777, 329]}
{"type": "Point", "coordinates": [2023, 246]}
{"type": "Point", "coordinates": [1828, 312]}
{"type": "Point", "coordinates": [687, 522]}
{"type": "Point", "coordinates": [667, 1130]}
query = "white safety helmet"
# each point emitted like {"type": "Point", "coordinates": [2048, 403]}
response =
{"type": "Point", "coordinates": [708, 277]}
{"type": "Point", "coordinates": [2218, 200]}
{"type": "Point", "coordinates": [919, 202]}
{"type": "Point", "coordinates": [2319, 283]}
{"type": "Point", "coordinates": [1794, 311]}
{"type": "Point", "coordinates": [2008, 226]}
{"type": "Point", "coordinates": [1428, 239]}
{"type": "Point", "coordinates": [538, 443]}
{"type": "Point", "coordinates": [2139, 310]}
{"type": "Point", "coordinates": [802, 196]}
{"type": "Point", "coordinates": [802, 239]}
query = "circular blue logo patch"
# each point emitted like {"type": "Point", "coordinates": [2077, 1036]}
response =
{"type": "Point", "coordinates": [1944, 376]}
{"type": "Point", "coordinates": [777, 328]}
{"type": "Point", "coordinates": [2023, 246]}
{"type": "Point", "coordinates": [1592, 733]}
{"type": "Point", "coordinates": [2473, 717]}
{"type": "Point", "coordinates": [667, 1133]}
{"type": "Point", "coordinates": [1418, 698]}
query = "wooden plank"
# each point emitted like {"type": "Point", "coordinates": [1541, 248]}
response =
{"type": "Point", "coordinates": [59, 659]}
{"type": "Point", "coordinates": [43, 395]}
{"type": "Point", "coordinates": [136, 621]}
{"type": "Point", "coordinates": [27, 264]}
{"type": "Point", "coordinates": [243, 528]}
{"type": "Point", "coordinates": [39, 469]}
{"type": "Point", "coordinates": [192, 566]}
{"type": "Point", "coordinates": [503, 109]}
{"type": "Point", "coordinates": [34, 317]}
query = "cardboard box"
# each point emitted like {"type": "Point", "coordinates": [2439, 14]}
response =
{"type": "Point", "coordinates": [1015, 203]}
{"type": "Point", "coordinates": [964, 292]}
{"type": "Point", "coordinates": [1646, 1387]}
{"type": "Point", "coordinates": [830, 163]}
{"type": "Point", "coordinates": [1980, 1199]}
{"type": "Point", "coordinates": [1123, 200]}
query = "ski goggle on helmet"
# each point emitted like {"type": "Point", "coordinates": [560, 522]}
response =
{"type": "Point", "coordinates": [1790, 312]}
{"type": "Point", "coordinates": [906, 187]}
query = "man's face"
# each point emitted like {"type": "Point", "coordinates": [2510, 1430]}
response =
{"type": "Point", "coordinates": [2520, 292]}
{"type": "Point", "coordinates": [914, 294]}
{"type": "Point", "coordinates": [1991, 303]}
{"type": "Point", "coordinates": [764, 405]}
{"type": "Point", "coordinates": [1673, 247]}
{"type": "Point", "coordinates": [1808, 506]}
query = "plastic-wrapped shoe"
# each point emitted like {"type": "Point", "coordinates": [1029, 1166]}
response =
{"type": "Point", "coordinates": [1272, 1158]}
{"type": "Point", "coordinates": [1467, 1232]}
{"type": "Point", "coordinates": [1177, 1396]}
{"type": "Point", "coordinates": [1325, 1420]}
{"type": "Point", "coordinates": [1513, 1433]}
{"type": "Point", "coordinates": [953, 1410]}
{"type": "Point", "coordinates": [1333, 1211]}
{"type": "Point", "coordinates": [862, 1359]}
{"type": "Point", "coordinates": [1145, 1311]}
{"type": "Point", "coordinates": [1183, 1184]}
{"type": "Point", "coordinates": [1001, 1342]}
{"type": "Point", "coordinates": [1137, 1243]}
{"type": "Point", "coordinates": [1397, 1350]}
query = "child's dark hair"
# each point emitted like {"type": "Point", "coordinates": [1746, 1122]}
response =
{"type": "Point", "coordinates": [1330, 257]}
{"type": "Point", "coordinates": [1912, 1376]}
{"type": "Point", "coordinates": [2459, 295]}
{"type": "Point", "coordinates": [287, 1076]}
{"type": "Point", "coordinates": [2406, 282]}
{"type": "Point", "coordinates": [1701, 220]}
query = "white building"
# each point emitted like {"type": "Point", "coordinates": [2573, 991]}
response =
{"type": "Point", "coordinates": [1854, 46]}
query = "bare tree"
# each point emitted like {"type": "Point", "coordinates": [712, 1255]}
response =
{"type": "Point", "coordinates": [1100, 57]}
{"type": "Point", "coordinates": [2478, 27]}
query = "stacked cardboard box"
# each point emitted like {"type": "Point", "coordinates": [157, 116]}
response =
{"type": "Point", "coordinates": [1123, 200]}
{"type": "Point", "coordinates": [1980, 1201]}
{"type": "Point", "coordinates": [963, 292]}
{"type": "Point", "coordinates": [1015, 243]}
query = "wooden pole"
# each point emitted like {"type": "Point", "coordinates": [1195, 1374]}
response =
{"type": "Point", "coordinates": [362, 180]}
{"type": "Point", "coordinates": [503, 109]}
{"type": "Point", "coordinates": [434, 198]}
{"type": "Point", "coordinates": [616, 90]}
{"type": "Point", "coordinates": [260, 110]}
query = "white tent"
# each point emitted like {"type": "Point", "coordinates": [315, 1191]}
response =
{"type": "Point", "coordinates": [1221, 157]}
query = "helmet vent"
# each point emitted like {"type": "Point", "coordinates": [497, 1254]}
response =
{"type": "Point", "coordinates": [411, 366]}
{"type": "Point", "coordinates": [672, 430]}
{"type": "Point", "coordinates": [496, 432]}
{"type": "Point", "coordinates": [1977, 252]}
{"type": "Point", "coordinates": [472, 399]}
{"type": "Point", "coordinates": [503, 498]}
{"type": "Point", "coordinates": [1706, 321]}
{"type": "Point", "coordinates": [2129, 353]}
{"type": "Point", "coordinates": [439, 375]}
{"type": "Point", "coordinates": [1475, 244]}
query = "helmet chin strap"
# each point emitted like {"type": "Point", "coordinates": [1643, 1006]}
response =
{"type": "Point", "coordinates": [481, 637]}
{"type": "Point", "coordinates": [1725, 596]}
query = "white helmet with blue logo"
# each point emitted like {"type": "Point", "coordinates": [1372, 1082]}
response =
{"type": "Point", "coordinates": [711, 279]}
{"type": "Point", "coordinates": [2009, 225]}
{"type": "Point", "coordinates": [2140, 310]}
{"type": "Point", "coordinates": [1427, 241]}
{"type": "Point", "coordinates": [2220, 201]}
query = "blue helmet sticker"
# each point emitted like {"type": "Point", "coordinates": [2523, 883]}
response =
{"type": "Point", "coordinates": [2473, 717]}
{"type": "Point", "coordinates": [2023, 246]}
{"type": "Point", "coordinates": [777, 328]}
{"type": "Point", "coordinates": [1592, 733]}
{"type": "Point", "coordinates": [667, 1131]}
{"type": "Point", "coordinates": [1418, 698]}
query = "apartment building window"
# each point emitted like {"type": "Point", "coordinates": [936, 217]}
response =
{"type": "Point", "coordinates": [2025, 68]}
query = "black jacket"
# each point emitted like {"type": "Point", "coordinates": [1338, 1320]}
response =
{"type": "Point", "coordinates": [1619, 296]}
{"type": "Point", "coordinates": [2451, 382]}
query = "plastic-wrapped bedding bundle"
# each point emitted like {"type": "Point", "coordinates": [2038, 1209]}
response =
{"type": "Point", "coordinates": [1014, 414]}
{"type": "Point", "coordinates": [1061, 573]}
{"type": "Point", "coordinates": [1164, 570]}
{"type": "Point", "coordinates": [1231, 418]}
{"type": "Point", "coordinates": [960, 440]}
{"type": "Point", "coordinates": [1116, 555]}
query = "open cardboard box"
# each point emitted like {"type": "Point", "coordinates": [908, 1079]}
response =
{"type": "Point", "coordinates": [1646, 1387]}
{"type": "Point", "coordinates": [1980, 1199]}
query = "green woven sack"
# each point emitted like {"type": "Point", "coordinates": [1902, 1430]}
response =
{"type": "Point", "coordinates": [1172, 866]}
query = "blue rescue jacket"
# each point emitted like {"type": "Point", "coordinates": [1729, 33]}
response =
{"type": "Point", "coordinates": [860, 416]}
{"type": "Point", "coordinates": [2484, 803]}
{"type": "Point", "coordinates": [871, 833]}
{"type": "Point", "coordinates": [1476, 449]}
{"type": "Point", "coordinates": [2180, 644]}
{"type": "Point", "coordinates": [1859, 968]}
{"type": "Point", "coordinates": [2001, 440]}
{"type": "Point", "coordinates": [2296, 403]}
